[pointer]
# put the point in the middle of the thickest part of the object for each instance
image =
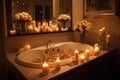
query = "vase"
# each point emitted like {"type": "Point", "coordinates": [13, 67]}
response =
{"type": "Point", "coordinates": [63, 23]}
{"type": "Point", "coordinates": [20, 26]}
{"type": "Point", "coordinates": [83, 37]}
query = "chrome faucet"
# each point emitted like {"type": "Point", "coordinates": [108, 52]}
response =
{"type": "Point", "coordinates": [48, 47]}
{"type": "Point", "coordinates": [48, 44]}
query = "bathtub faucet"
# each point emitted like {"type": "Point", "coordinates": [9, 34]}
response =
{"type": "Point", "coordinates": [49, 47]}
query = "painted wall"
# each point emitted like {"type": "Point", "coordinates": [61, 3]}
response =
{"type": "Point", "coordinates": [111, 23]}
{"type": "Point", "coordinates": [14, 43]}
{"type": "Point", "coordinates": [77, 10]}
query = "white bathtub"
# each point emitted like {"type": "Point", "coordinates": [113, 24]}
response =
{"type": "Point", "coordinates": [28, 58]}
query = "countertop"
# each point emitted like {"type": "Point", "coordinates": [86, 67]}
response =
{"type": "Point", "coordinates": [35, 73]}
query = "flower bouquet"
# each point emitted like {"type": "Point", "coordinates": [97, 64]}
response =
{"type": "Point", "coordinates": [83, 27]}
{"type": "Point", "coordinates": [20, 20]}
{"type": "Point", "coordinates": [23, 16]}
{"type": "Point", "coordinates": [64, 20]}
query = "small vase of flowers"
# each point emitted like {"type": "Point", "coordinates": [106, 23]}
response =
{"type": "Point", "coordinates": [83, 27]}
{"type": "Point", "coordinates": [20, 20]}
{"type": "Point", "coordinates": [64, 21]}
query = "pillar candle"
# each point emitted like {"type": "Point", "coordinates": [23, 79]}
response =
{"type": "Point", "coordinates": [87, 53]}
{"type": "Point", "coordinates": [100, 32]}
{"type": "Point", "coordinates": [76, 56]}
{"type": "Point", "coordinates": [33, 24]}
{"type": "Point", "coordinates": [103, 30]}
{"type": "Point", "coordinates": [107, 38]}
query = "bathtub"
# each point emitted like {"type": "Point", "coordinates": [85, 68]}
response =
{"type": "Point", "coordinates": [31, 57]}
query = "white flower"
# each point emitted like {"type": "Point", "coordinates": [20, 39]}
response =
{"type": "Point", "coordinates": [83, 25]}
{"type": "Point", "coordinates": [23, 16]}
{"type": "Point", "coordinates": [64, 17]}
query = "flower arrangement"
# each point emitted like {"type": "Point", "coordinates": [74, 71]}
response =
{"type": "Point", "coordinates": [83, 26]}
{"type": "Point", "coordinates": [23, 16]}
{"type": "Point", "coordinates": [64, 21]}
{"type": "Point", "coordinates": [64, 17]}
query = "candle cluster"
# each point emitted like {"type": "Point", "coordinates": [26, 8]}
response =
{"type": "Point", "coordinates": [45, 66]}
{"type": "Point", "coordinates": [79, 57]}
{"type": "Point", "coordinates": [104, 40]}
{"type": "Point", "coordinates": [82, 57]}
{"type": "Point", "coordinates": [23, 23]}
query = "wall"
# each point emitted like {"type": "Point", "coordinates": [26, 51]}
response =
{"type": "Point", "coordinates": [77, 15]}
{"type": "Point", "coordinates": [3, 61]}
{"type": "Point", "coordinates": [111, 23]}
{"type": "Point", "coordinates": [77, 10]}
{"type": "Point", "coordinates": [56, 8]}
{"type": "Point", "coordinates": [14, 43]}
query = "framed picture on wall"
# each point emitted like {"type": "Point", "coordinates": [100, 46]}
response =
{"type": "Point", "coordinates": [99, 7]}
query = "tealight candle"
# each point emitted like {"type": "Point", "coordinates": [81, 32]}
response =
{"type": "Point", "coordinates": [27, 47]}
{"type": "Point", "coordinates": [58, 63]}
{"type": "Point", "coordinates": [96, 50]}
{"type": "Point", "coordinates": [76, 56]}
{"type": "Point", "coordinates": [45, 68]}
{"type": "Point", "coordinates": [82, 58]}
{"type": "Point", "coordinates": [12, 32]}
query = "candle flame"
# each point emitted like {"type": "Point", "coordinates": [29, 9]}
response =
{"type": "Point", "coordinates": [87, 50]}
{"type": "Point", "coordinates": [57, 60]}
{"type": "Point", "coordinates": [108, 35]}
{"type": "Point", "coordinates": [82, 56]}
{"type": "Point", "coordinates": [76, 51]}
{"type": "Point", "coordinates": [45, 64]}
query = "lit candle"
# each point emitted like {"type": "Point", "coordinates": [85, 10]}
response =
{"type": "Point", "coordinates": [37, 29]}
{"type": "Point", "coordinates": [27, 47]}
{"type": "Point", "coordinates": [58, 63]}
{"type": "Point", "coordinates": [101, 32]}
{"type": "Point", "coordinates": [30, 28]}
{"type": "Point", "coordinates": [107, 38]}
{"type": "Point", "coordinates": [87, 53]}
{"type": "Point", "coordinates": [82, 58]}
{"type": "Point", "coordinates": [57, 29]}
{"type": "Point", "coordinates": [96, 50]}
{"type": "Point", "coordinates": [12, 32]}
{"type": "Point", "coordinates": [45, 68]}
{"type": "Point", "coordinates": [33, 24]}
{"type": "Point", "coordinates": [76, 56]}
